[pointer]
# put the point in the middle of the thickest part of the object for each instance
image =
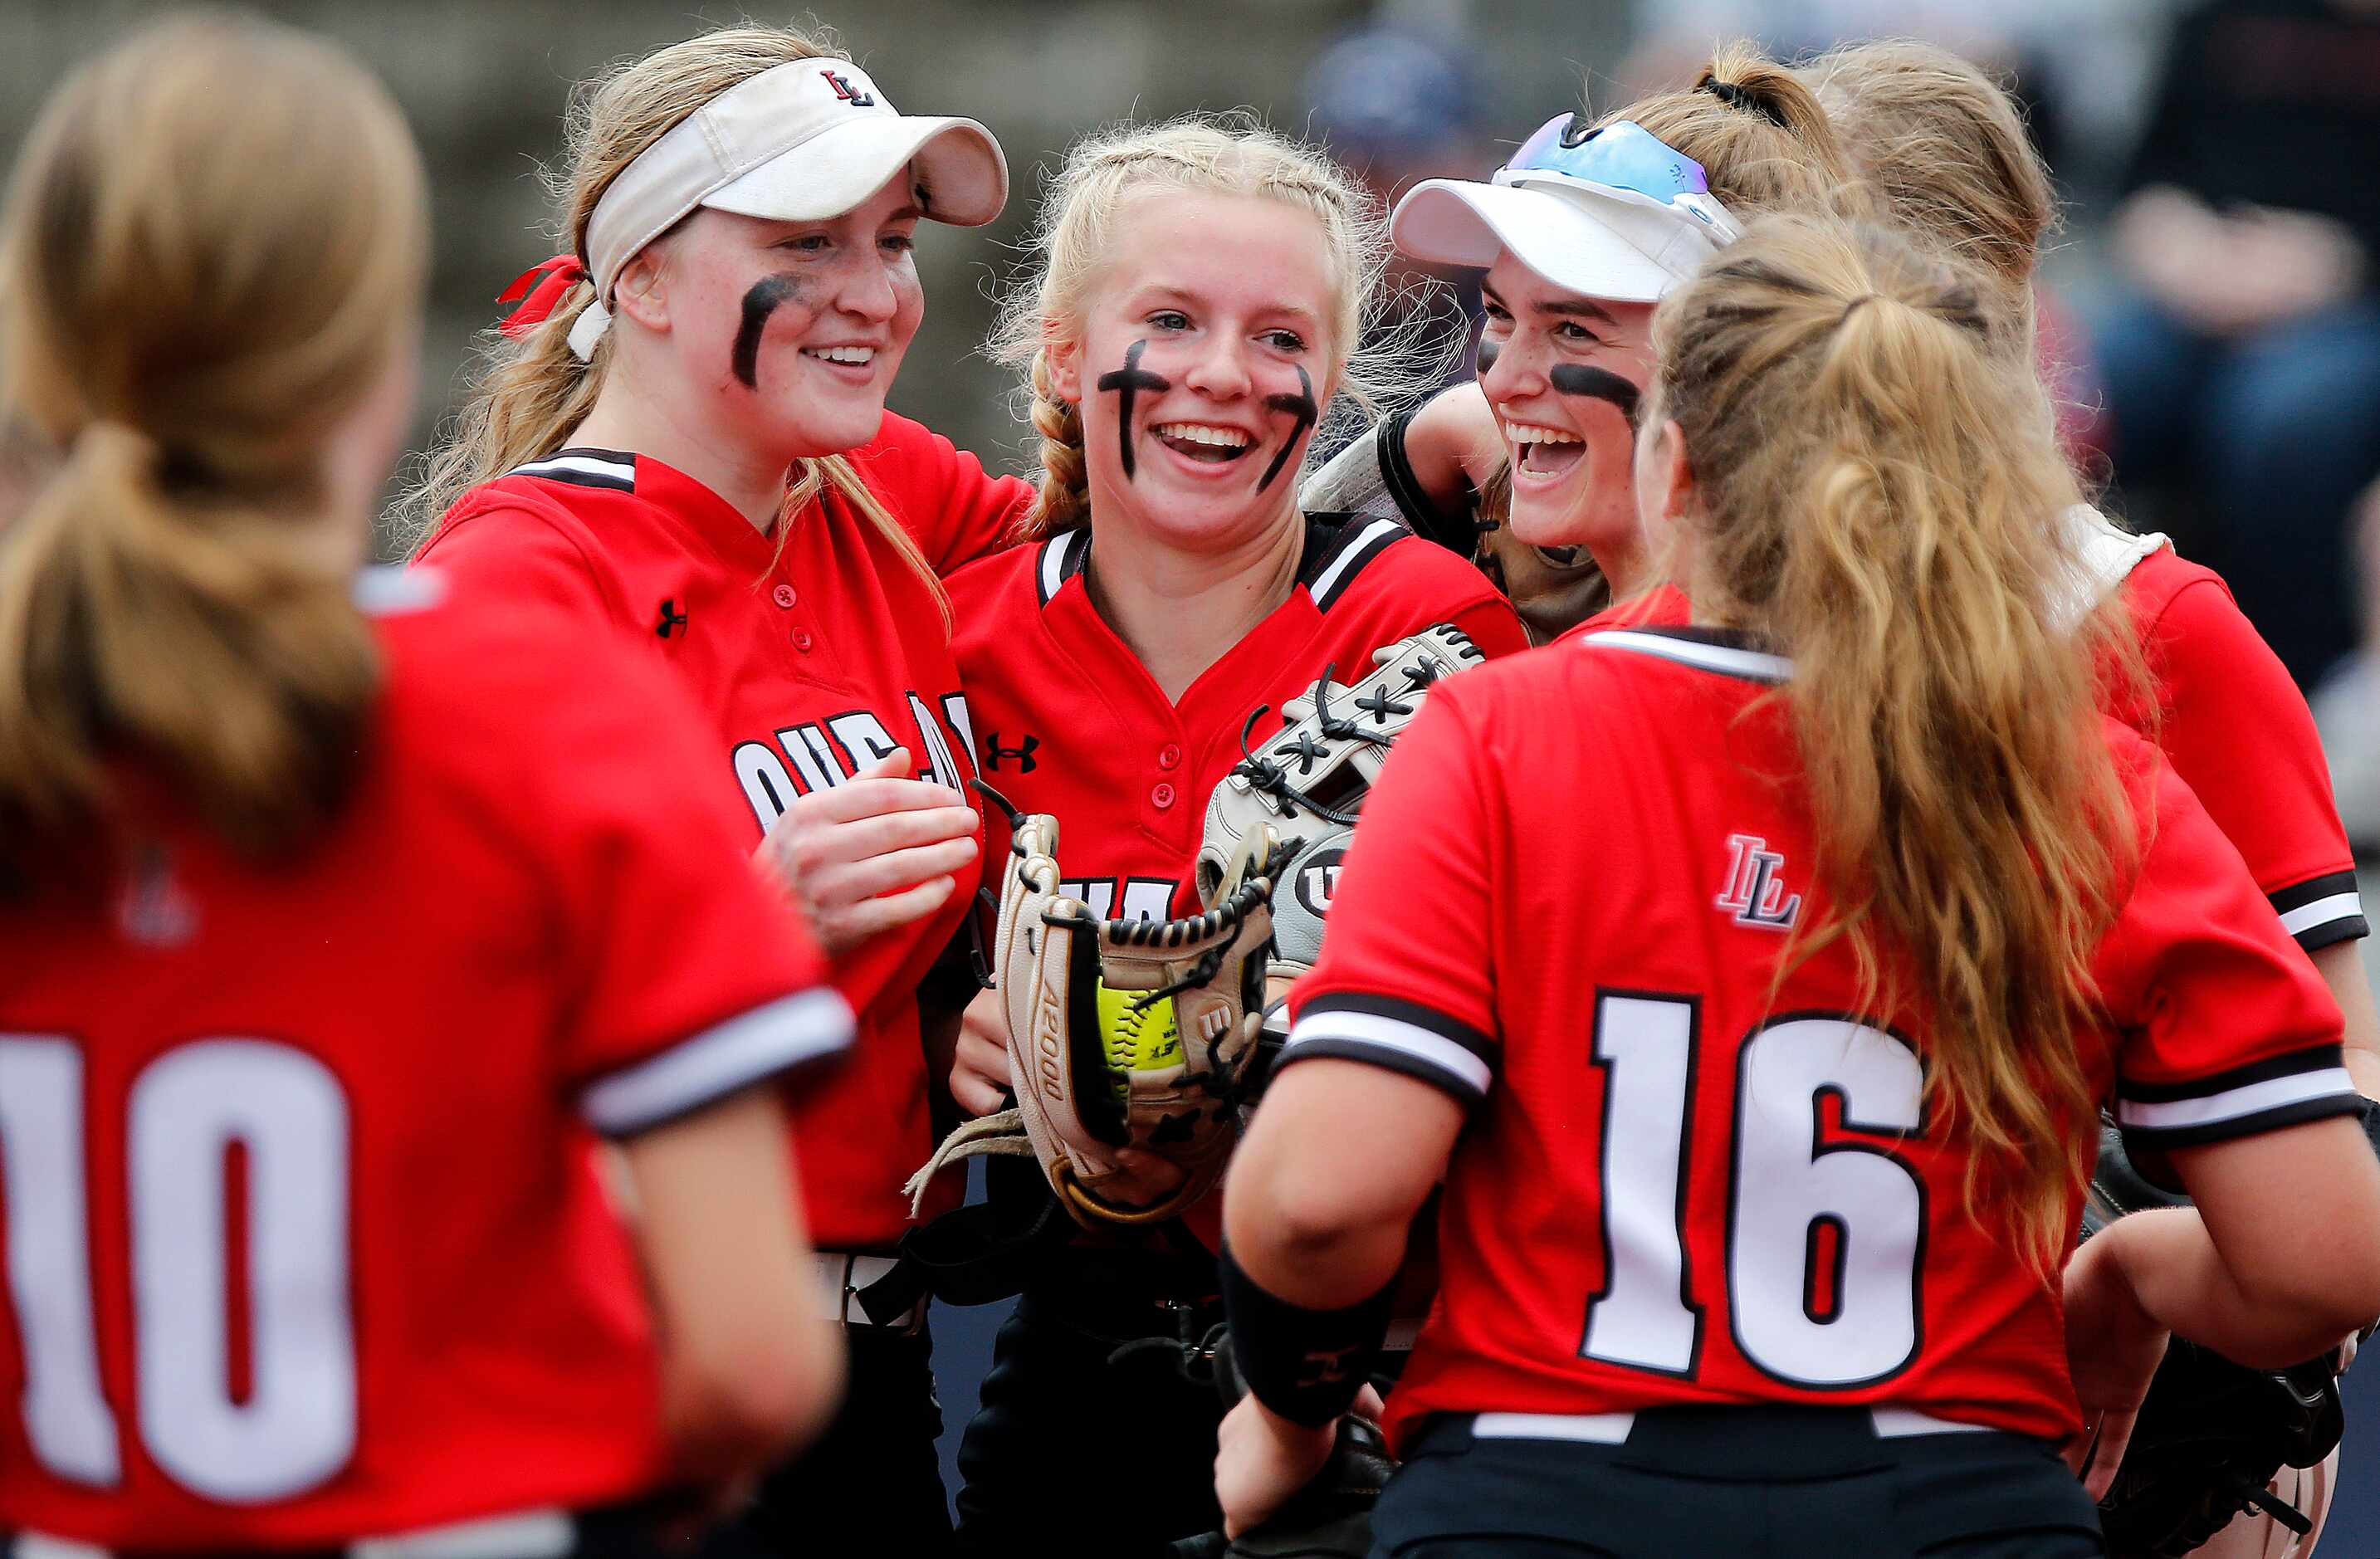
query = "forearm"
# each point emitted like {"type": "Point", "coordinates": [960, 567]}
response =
{"type": "Point", "coordinates": [2172, 1267]}
{"type": "Point", "coordinates": [1322, 1265]}
{"type": "Point", "coordinates": [2341, 967]}
{"type": "Point", "coordinates": [1318, 1213]}
{"type": "Point", "coordinates": [1452, 445]}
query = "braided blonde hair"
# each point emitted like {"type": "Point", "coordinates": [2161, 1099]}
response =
{"type": "Point", "coordinates": [1371, 369]}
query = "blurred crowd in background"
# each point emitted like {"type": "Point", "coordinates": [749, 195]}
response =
{"type": "Point", "coordinates": [2213, 303]}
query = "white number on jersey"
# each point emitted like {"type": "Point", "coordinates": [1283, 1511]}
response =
{"type": "Point", "coordinates": [297, 1427]}
{"type": "Point", "coordinates": [1144, 898]}
{"type": "Point", "coordinates": [1795, 1200]}
{"type": "Point", "coordinates": [827, 754]}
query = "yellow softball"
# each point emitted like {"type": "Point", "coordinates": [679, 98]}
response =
{"type": "Point", "coordinates": [1136, 1038]}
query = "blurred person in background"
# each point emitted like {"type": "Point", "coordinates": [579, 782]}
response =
{"type": "Point", "coordinates": [2347, 707]}
{"type": "Point", "coordinates": [681, 445]}
{"type": "Point", "coordinates": [1393, 107]}
{"type": "Point", "coordinates": [335, 921]}
{"type": "Point", "coordinates": [2240, 350]}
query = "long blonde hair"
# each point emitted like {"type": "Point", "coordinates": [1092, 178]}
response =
{"type": "Point", "coordinates": [1221, 154]}
{"type": "Point", "coordinates": [529, 394]}
{"type": "Point", "coordinates": [1879, 493]}
{"type": "Point", "coordinates": [1943, 147]}
{"type": "Point", "coordinates": [215, 242]}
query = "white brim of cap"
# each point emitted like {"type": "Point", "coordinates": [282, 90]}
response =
{"type": "Point", "coordinates": [1455, 222]}
{"type": "Point", "coordinates": [958, 162]}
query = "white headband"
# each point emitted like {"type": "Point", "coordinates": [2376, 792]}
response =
{"type": "Point", "coordinates": [799, 142]}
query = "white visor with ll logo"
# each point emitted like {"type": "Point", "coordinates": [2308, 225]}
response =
{"type": "Point", "coordinates": [799, 142]}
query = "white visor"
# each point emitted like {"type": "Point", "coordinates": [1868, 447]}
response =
{"type": "Point", "coordinates": [1592, 239]}
{"type": "Point", "coordinates": [799, 142]}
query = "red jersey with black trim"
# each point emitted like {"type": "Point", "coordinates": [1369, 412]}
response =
{"type": "Point", "coordinates": [1683, 1184]}
{"type": "Point", "coordinates": [306, 1239]}
{"type": "Point", "coordinates": [805, 663]}
{"type": "Point", "coordinates": [2232, 721]}
{"type": "Point", "coordinates": [1070, 723]}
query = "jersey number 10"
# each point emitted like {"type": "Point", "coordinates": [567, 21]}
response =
{"type": "Point", "coordinates": [185, 1110]}
{"type": "Point", "coordinates": [1823, 1238]}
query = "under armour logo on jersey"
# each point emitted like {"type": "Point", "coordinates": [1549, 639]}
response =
{"type": "Point", "coordinates": [1755, 893]}
{"type": "Point", "coordinates": [993, 752]}
{"type": "Point", "coordinates": [843, 90]}
{"type": "Point", "coordinates": [671, 619]}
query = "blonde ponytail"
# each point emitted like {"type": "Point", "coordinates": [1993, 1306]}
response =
{"type": "Point", "coordinates": [214, 246]}
{"type": "Point", "coordinates": [1875, 472]}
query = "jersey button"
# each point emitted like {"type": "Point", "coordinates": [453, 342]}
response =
{"type": "Point", "coordinates": [802, 640]}
{"type": "Point", "coordinates": [1162, 795]}
{"type": "Point", "coordinates": [1169, 756]}
{"type": "Point", "coordinates": [784, 596]}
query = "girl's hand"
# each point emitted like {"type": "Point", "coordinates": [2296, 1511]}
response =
{"type": "Point", "coordinates": [2113, 1348]}
{"type": "Point", "coordinates": [979, 1063]}
{"type": "Point", "coordinates": [871, 854]}
{"type": "Point", "coordinates": [1261, 1459]}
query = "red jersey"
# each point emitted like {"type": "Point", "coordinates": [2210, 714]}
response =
{"type": "Point", "coordinates": [304, 1236]}
{"type": "Point", "coordinates": [2231, 721]}
{"type": "Point", "coordinates": [1682, 1184]}
{"type": "Point", "coordinates": [1070, 723]}
{"type": "Point", "coordinates": [805, 664]}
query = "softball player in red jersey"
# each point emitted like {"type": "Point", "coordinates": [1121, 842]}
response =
{"type": "Point", "coordinates": [1564, 231]}
{"type": "Point", "coordinates": [1769, 1143]}
{"type": "Point", "coordinates": [1581, 232]}
{"type": "Point", "coordinates": [334, 919]}
{"type": "Point", "coordinates": [1114, 667]}
{"type": "Point", "coordinates": [688, 449]}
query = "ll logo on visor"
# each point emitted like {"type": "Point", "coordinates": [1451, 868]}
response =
{"type": "Point", "coordinates": [843, 90]}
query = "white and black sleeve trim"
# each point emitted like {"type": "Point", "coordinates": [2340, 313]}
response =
{"type": "Point", "coordinates": [1060, 558]}
{"type": "Point", "coordinates": [2262, 1096]}
{"type": "Point", "coordinates": [1399, 1035]}
{"type": "Point", "coordinates": [612, 469]}
{"type": "Point", "coordinates": [1336, 552]}
{"type": "Point", "coordinates": [2321, 911]}
{"type": "Point", "coordinates": [792, 1033]}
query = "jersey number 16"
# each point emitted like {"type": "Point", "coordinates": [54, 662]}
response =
{"type": "Point", "coordinates": [1823, 1237]}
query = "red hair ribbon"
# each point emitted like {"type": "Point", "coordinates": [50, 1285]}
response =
{"type": "Point", "coordinates": [538, 289]}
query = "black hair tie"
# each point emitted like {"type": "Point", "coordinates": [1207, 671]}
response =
{"type": "Point", "coordinates": [1738, 96]}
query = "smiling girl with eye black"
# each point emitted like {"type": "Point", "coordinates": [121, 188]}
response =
{"type": "Point", "coordinates": [1175, 589]}
{"type": "Point", "coordinates": [1581, 232]}
{"type": "Point", "coordinates": [688, 448]}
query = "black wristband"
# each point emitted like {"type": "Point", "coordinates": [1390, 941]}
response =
{"type": "Point", "coordinates": [1305, 1365]}
{"type": "Point", "coordinates": [1454, 530]}
{"type": "Point", "coordinates": [2371, 1122]}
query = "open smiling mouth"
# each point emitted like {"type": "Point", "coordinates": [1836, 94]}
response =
{"type": "Point", "coordinates": [1209, 445]}
{"type": "Point", "coordinates": [1547, 452]}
